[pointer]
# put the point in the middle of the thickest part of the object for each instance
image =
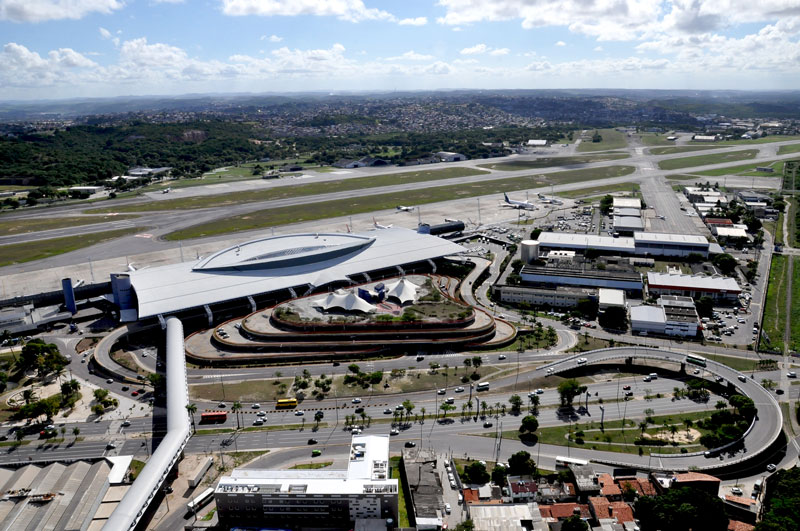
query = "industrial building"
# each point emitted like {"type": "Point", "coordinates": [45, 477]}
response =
{"type": "Point", "coordinates": [641, 244]}
{"type": "Point", "coordinates": [262, 269]}
{"type": "Point", "coordinates": [582, 275]}
{"type": "Point", "coordinates": [717, 287]}
{"type": "Point", "coordinates": [627, 225]}
{"type": "Point", "coordinates": [610, 298]}
{"type": "Point", "coordinates": [674, 316]}
{"type": "Point", "coordinates": [318, 499]}
{"type": "Point", "coordinates": [626, 202]}
{"type": "Point", "coordinates": [554, 297]}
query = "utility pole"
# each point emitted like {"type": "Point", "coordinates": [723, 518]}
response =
{"type": "Point", "coordinates": [479, 212]}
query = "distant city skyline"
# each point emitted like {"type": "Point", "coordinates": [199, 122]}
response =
{"type": "Point", "coordinates": [53, 49]}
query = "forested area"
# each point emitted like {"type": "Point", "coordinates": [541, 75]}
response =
{"type": "Point", "coordinates": [88, 154]}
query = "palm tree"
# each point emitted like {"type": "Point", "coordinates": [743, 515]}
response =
{"type": "Point", "coordinates": [19, 435]}
{"type": "Point", "coordinates": [673, 429]}
{"type": "Point", "coordinates": [688, 423]}
{"type": "Point", "coordinates": [422, 410]}
{"type": "Point", "coordinates": [28, 396]}
{"type": "Point", "coordinates": [192, 409]}
{"type": "Point", "coordinates": [484, 405]}
{"type": "Point", "coordinates": [236, 407]}
{"type": "Point", "coordinates": [643, 426]}
{"type": "Point", "coordinates": [76, 431]}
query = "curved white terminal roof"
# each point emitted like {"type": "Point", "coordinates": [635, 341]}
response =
{"type": "Point", "coordinates": [272, 264]}
{"type": "Point", "coordinates": [346, 300]}
{"type": "Point", "coordinates": [403, 289]}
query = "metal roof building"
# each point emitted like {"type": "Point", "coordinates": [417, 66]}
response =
{"type": "Point", "coordinates": [626, 202]}
{"type": "Point", "coordinates": [301, 261]}
{"type": "Point", "coordinates": [692, 285]}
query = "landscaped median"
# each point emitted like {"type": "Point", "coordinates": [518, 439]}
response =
{"type": "Point", "coordinates": [365, 203]}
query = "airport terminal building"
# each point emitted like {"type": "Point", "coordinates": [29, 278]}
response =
{"type": "Point", "coordinates": [265, 271]}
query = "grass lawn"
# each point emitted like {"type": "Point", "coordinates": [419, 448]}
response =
{"type": "Point", "coordinates": [775, 305]}
{"type": "Point", "coordinates": [549, 162]}
{"type": "Point", "coordinates": [588, 343]}
{"type": "Point", "coordinates": [671, 150]}
{"type": "Point", "coordinates": [612, 139]}
{"type": "Point", "coordinates": [14, 188]}
{"type": "Point", "coordinates": [246, 391]}
{"type": "Point", "coordinates": [680, 177]}
{"type": "Point", "coordinates": [417, 380]}
{"type": "Point", "coordinates": [704, 160]}
{"type": "Point", "coordinates": [365, 203]}
{"type": "Point", "coordinates": [311, 466]}
{"type": "Point", "coordinates": [745, 169]}
{"type": "Point", "coordinates": [655, 139]}
{"type": "Point", "coordinates": [792, 148]}
{"type": "Point", "coordinates": [136, 466]}
{"type": "Point", "coordinates": [739, 364]}
{"type": "Point", "coordinates": [602, 190]}
{"type": "Point", "coordinates": [762, 140]}
{"type": "Point", "coordinates": [791, 211]}
{"type": "Point", "coordinates": [300, 190]}
{"type": "Point", "coordinates": [18, 253]}
{"type": "Point", "coordinates": [126, 360]}
{"type": "Point", "coordinates": [402, 510]}
{"type": "Point", "coordinates": [615, 438]}
{"type": "Point", "coordinates": [794, 333]}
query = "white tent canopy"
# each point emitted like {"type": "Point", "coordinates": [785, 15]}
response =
{"type": "Point", "coordinates": [404, 290]}
{"type": "Point", "coordinates": [346, 300]}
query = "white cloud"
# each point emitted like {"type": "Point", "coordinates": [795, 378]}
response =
{"type": "Point", "coordinates": [107, 35]}
{"type": "Point", "coordinates": [43, 10]}
{"type": "Point", "coordinates": [419, 21]}
{"type": "Point", "coordinates": [169, 1]}
{"type": "Point", "coordinates": [598, 48]}
{"type": "Point", "coordinates": [561, 43]}
{"type": "Point", "coordinates": [477, 49]}
{"type": "Point", "coordinates": [438, 69]}
{"type": "Point", "coordinates": [141, 54]}
{"type": "Point", "coordinates": [500, 51]}
{"type": "Point", "coordinates": [271, 38]}
{"type": "Point", "coordinates": [348, 10]}
{"type": "Point", "coordinates": [411, 55]}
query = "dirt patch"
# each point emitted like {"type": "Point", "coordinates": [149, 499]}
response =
{"type": "Point", "coordinates": [681, 436]}
{"type": "Point", "coordinates": [86, 343]}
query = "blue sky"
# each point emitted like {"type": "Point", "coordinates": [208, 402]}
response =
{"type": "Point", "coordinates": [79, 48]}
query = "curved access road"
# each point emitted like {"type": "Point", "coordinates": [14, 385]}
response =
{"type": "Point", "coordinates": [764, 430]}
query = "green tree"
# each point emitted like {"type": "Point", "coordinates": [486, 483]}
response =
{"type": "Point", "coordinates": [705, 306]}
{"type": "Point", "coordinates": [574, 523]}
{"type": "Point", "coordinates": [475, 472]}
{"type": "Point", "coordinates": [477, 362]}
{"type": "Point", "coordinates": [725, 263]}
{"type": "Point", "coordinates": [516, 404]}
{"type": "Point", "coordinates": [499, 474]}
{"type": "Point", "coordinates": [446, 407]}
{"type": "Point", "coordinates": [529, 424]}
{"type": "Point", "coordinates": [681, 508]}
{"type": "Point", "coordinates": [521, 464]}
{"type": "Point", "coordinates": [606, 203]}
{"type": "Point", "coordinates": [466, 525]}
{"type": "Point", "coordinates": [408, 406]}
{"type": "Point", "coordinates": [568, 390]}
{"type": "Point", "coordinates": [75, 432]}
{"type": "Point", "coordinates": [614, 318]}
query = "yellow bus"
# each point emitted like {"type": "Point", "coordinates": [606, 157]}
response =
{"type": "Point", "coordinates": [286, 402]}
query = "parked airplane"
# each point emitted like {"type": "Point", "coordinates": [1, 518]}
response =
{"type": "Point", "coordinates": [402, 208]}
{"type": "Point", "coordinates": [519, 204]}
{"type": "Point", "coordinates": [166, 190]}
{"type": "Point", "coordinates": [379, 226]}
{"type": "Point", "coordinates": [551, 200]}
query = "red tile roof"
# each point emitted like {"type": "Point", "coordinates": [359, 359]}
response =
{"type": "Point", "coordinates": [622, 511]}
{"type": "Point", "coordinates": [471, 496]}
{"type": "Point", "coordinates": [608, 487]}
{"type": "Point", "coordinates": [646, 486]}
{"type": "Point", "coordinates": [563, 510]}
{"type": "Point", "coordinates": [740, 500]}
{"type": "Point", "coordinates": [518, 487]}
{"type": "Point", "coordinates": [600, 506]}
{"type": "Point", "coordinates": [695, 476]}
{"type": "Point", "coordinates": [735, 525]}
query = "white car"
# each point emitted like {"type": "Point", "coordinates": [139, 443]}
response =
{"type": "Point", "coordinates": [356, 400]}
{"type": "Point", "coordinates": [256, 406]}
{"type": "Point", "coordinates": [394, 431]}
{"type": "Point", "coordinates": [501, 357]}
{"type": "Point", "coordinates": [459, 389]}
{"type": "Point", "coordinates": [441, 391]}
{"type": "Point", "coordinates": [261, 414]}
{"type": "Point", "coordinates": [736, 491]}
{"type": "Point", "coordinates": [299, 413]}
{"type": "Point", "coordinates": [581, 361]}
{"type": "Point", "coordinates": [258, 422]}
{"type": "Point", "coordinates": [791, 374]}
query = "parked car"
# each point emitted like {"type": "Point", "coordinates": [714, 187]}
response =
{"type": "Point", "coordinates": [771, 468]}
{"type": "Point", "coordinates": [736, 491]}
{"type": "Point", "coordinates": [410, 444]}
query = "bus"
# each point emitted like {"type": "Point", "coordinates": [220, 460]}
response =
{"type": "Point", "coordinates": [696, 360]}
{"type": "Point", "coordinates": [564, 462]}
{"type": "Point", "coordinates": [201, 500]}
{"type": "Point", "coordinates": [212, 417]}
{"type": "Point", "coordinates": [483, 386]}
{"type": "Point", "coordinates": [286, 402]}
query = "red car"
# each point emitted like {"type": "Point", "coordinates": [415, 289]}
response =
{"type": "Point", "coordinates": [135, 393]}
{"type": "Point", "coordinates": [626, 387]}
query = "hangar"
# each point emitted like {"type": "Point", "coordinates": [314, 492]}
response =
{"type": "Point", "coordinates": [297, 264]}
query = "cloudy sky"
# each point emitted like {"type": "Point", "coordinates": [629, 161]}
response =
{"type": "Point", "coordinates": [74, 48]}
